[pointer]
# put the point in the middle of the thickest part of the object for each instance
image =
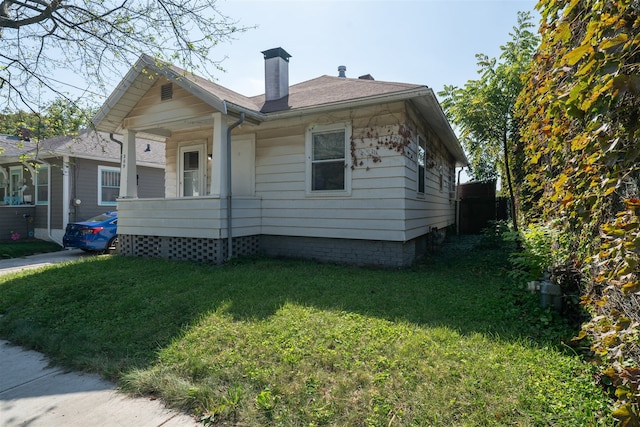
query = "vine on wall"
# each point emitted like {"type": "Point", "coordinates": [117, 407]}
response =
{"type": "Point", "coordinates": [581, 134]}
{"type": "Point", "coordinates": [365, 146]}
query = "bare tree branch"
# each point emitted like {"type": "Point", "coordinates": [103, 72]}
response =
{"type": "Point", "coordinates": [95, 42]}
{"type": "Point", "coordinates": [42, 10]}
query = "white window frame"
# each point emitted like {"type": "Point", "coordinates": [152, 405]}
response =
{"type": "Point", "coordinates": [44, 170]}
{"type": "Point", "coordinates": [106, 169]}
{"type": "Point", "coordinates": [311, 130]}
{"type": "Point", "coordinates": [200, 147]}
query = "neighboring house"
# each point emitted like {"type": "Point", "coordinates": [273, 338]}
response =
{"type": "Point", "coordinates": [333, 169]}
{"type": "Point", "coordinates": [45, 185]}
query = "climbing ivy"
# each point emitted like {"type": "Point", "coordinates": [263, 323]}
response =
{"type": "Point", "coordinates": [581, 139]}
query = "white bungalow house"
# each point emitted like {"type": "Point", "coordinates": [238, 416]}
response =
{"type": "Point", "coordinates": [334, 169]}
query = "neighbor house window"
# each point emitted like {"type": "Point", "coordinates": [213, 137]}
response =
{"type": "Point", "coordinates": [422, 153]}
{"type": "Point", "coordinates": [42, 185]}
{"type": "Point", "coordinates": [108, 185]}
{"type": "Point", "coordinates": [327, 165]}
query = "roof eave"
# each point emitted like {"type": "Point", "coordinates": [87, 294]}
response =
{"type": "Point", "coordinates": [116, 95]}
{"type": "Point", "coordinates": [446, 133]}
{"type": "Point", "coordinates": [148, 62]}
{"type": "Point", "coordinates": [253, 116]}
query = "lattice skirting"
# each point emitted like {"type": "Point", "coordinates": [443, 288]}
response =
{"type": "Point", "coordinates": [186, 248]}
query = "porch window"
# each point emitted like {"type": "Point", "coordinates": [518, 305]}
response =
{"type": "Point", "coordinates": [42, 185]}
{"type": "Point", "coordinates": [108, 185]}
{"type": "Point", "coordinates": [422, 153]}
{"type": "Point", "coordinates": [327, 149]}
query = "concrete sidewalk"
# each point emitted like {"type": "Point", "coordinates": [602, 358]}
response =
{"type": "Point", "coordinates": [36, 395]}
{"type": "Point", "coordinates": [33, 394]}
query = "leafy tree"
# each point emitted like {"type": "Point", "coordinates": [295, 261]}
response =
{"type": "Point", "coordinates": [59, 117]}
{"type": "Point", "coordinates": [483, 108]}
{"type": "Point", "coordinates": [94, 40]}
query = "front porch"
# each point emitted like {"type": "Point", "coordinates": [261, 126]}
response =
{"type": "Point", "coordinates": [190, 228]}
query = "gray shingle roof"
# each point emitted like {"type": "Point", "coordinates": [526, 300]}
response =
{"type": "Point", "coordinates": [322, 93]}
{"type": "Point", "coordinates": [88, 144]}
{"type": "Point", "coordinates": [325, 90]}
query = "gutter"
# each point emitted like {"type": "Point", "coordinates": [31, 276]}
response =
{"type": "Point", "coordinates": [332, 106]}
{"type": "Point", "coordinates": [229, 211]}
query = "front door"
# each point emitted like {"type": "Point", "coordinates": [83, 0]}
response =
{"type": "Point", "coordinates": [191, 167]}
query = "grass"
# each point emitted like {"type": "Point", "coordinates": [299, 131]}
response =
{"type": "Point", "coordinates": [21, 248]}
{"type": "Point", "coordinates": [289, 343]}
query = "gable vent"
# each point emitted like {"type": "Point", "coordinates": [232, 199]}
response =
{"type": "Point", "coordinates": [166, 92]}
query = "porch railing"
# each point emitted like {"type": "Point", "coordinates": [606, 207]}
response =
{"type": "Point", "coordinates": [197, 217]}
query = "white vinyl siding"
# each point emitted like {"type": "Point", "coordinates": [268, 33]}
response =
{"type": "Point", "coordinates": [108, 185]}
{"type": "Point", "coordinates": [379, 201]}
{"type": "Point", "coordinates": [433, 208]}
{"type": "Point", "coordinates": [371, 206]}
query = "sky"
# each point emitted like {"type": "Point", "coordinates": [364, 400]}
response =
{"type": "Point", "coordinates": [429, 42]}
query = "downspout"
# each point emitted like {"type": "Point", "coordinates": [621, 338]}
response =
{"type": "Point", "coordinates": [229, 216]}
{"type": "Point", "coordinates": [458, 203]}
{"type": "Point", "coordinates": [117, 142]}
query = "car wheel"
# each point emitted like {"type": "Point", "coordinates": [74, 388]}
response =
{"type": "Point", "coordinates": [112, 246]}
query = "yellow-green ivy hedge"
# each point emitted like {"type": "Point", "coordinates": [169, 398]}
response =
{"type": "Point", "coordinates": [580, 113]}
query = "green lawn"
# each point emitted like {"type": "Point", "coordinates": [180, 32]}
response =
{"type": "Point", "coordinates": [288, 343]}
{"type": "Point", "coordinates": [20, 248]}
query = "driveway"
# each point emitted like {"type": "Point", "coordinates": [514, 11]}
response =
{"type": "Point", "coordinates": [34, 261]}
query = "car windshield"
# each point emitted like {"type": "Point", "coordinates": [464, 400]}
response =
{"type": "Point", "coordinates": [101, 217]}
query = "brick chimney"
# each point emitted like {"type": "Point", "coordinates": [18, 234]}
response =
{"type": "Point", "coordinates": [276, 73]}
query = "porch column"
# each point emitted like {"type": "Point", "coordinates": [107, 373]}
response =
{"type": "Point", "coordinates": [128, 174]}
{"type": "Point", "coordinates": [219, 156]}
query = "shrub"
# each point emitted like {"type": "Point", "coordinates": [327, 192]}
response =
{"type": "Point", "coordinates": [541, 251]}
{"type": "Point", "coordinates": [498, 235]}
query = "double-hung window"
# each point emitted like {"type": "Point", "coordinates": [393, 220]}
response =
{"type": "Point", "coordinates": [108, 185]}
{"type": "Point", "coordinates": [327, 164]}
{"type": "Point", "coordinates": [42, 185]}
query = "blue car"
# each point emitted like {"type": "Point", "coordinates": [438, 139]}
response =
{"type": "Point", "coordinates": [97, 234]}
